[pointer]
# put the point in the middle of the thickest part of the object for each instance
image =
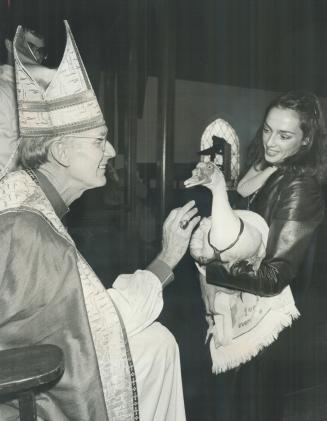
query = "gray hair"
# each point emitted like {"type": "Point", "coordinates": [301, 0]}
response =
{"type": "Point", "coordinates": [34, 151]}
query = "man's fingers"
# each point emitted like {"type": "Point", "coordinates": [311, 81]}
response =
{"type": "Point", "coordinates": [184, 216]}
{"type": "Point", "coordinates": [193, 223]}
{"type": "Point", "coordinates": [171, 216]}
{"type": "Point", "coordinates": [184, 209]}
{"type": "Point", "coordinates": [177, 214]}
{"type": "Point", "coordinates": [173, 213]}
{"type": "Point", "coordinates": [189, 215]}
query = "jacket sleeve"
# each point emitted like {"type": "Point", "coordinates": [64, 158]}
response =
{"type": "Point", "coordinates": [298, 212]}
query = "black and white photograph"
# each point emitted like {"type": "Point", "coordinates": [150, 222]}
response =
{"type": "Point", "coordinates": [163, 233]}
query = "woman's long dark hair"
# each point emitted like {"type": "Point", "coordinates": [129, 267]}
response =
{"type": "Point", "coordinates": [311, 158]}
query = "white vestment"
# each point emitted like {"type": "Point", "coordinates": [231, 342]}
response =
{"type": "Point", "coordinates": [154, 350]}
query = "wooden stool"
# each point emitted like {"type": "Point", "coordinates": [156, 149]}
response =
{"type": "Point", "coordinates": [23, 370]}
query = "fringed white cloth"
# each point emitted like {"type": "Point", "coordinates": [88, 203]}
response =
{"type": "Point", "coordinates": [243, 323]}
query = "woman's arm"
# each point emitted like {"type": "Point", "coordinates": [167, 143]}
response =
{"type": "Point", "coordinates": [299, 212]}
{"type": "Point", "coordinates": [253, 180]}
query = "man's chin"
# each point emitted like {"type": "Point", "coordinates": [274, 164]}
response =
{"type": "Point", "coordinates": [102, 181]}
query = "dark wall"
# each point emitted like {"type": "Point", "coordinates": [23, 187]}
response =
{"type": "Point", "coordinates": [266, 44]}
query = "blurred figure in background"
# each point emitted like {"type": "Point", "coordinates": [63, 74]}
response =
{"type": "Point", "coordinates": [34, 53]}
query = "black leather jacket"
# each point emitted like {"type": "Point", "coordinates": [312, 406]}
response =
{"type": "Point", "coordinates": [293, 207]}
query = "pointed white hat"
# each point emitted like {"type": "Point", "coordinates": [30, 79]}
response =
{"type": "Point", "coordinates": [67, 105]}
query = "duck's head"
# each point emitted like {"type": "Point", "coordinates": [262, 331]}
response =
{"type": "Point", "coordinates": [203, 174]}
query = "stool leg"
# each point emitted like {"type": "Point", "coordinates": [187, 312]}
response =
{"type": "Point", "coordinates": [27, 408]}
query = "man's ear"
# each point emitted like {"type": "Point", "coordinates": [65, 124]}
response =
{"type": "Point", "coordinates": [59, 152]}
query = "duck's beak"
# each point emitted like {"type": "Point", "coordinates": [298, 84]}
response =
{"type": "Point", "coordinates": [199, 177]}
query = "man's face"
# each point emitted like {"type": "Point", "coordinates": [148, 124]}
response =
{"type": "Point", "coordinates": [89, 155]}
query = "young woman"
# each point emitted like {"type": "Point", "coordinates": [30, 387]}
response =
{"type": "Point", "coordinates": [286, 169]}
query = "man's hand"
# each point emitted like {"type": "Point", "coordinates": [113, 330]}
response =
{"type": "Point", "coordinates": [175, 238]}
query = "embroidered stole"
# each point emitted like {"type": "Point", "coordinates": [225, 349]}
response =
{"type": "Point", "coordinates": [19, 191]}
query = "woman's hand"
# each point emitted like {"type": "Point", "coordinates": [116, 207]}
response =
{"type": "Point", "coordinates": [176, 234]}
{"type": "Point", "coordinates": [254, 179]}
{"type": "Point", "coordinates": [208, 293]}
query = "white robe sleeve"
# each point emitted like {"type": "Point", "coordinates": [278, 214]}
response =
{"type": "Point", "coordinates": [138, 297]}
{"type": "Point", "coordinates": [8, 122]}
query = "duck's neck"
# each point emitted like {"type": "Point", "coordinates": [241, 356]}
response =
{"type": "Point", "coordinates": [225, 224]}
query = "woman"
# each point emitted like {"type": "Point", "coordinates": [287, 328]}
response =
{"type": "Point", "coordinates": [240, 324]}
{"type": "Point", "coordinates": [288, 196]}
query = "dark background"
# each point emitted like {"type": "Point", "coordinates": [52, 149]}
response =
{"type": "Point", "coordinates": [273, 45]}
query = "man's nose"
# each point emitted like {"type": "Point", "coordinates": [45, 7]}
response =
{"type": "Point", "coordinates": [109, 150]}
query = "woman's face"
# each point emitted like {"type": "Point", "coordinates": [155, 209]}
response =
{"type": "Point", "coordinates": [282, 135]}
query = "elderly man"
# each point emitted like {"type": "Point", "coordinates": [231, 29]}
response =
{"type": "Point", "coordinates": [33, 52]}
{"type": "Point", "coordinates": [120, 363]}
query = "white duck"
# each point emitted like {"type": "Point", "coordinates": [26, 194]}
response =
{"type": "Point", "coordinates": [226, 222]}
{"type": "Point", "coordinates": [229, 235]}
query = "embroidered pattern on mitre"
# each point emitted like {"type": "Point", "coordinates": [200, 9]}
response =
{"type": "Point", "coordinates": [67, 105]}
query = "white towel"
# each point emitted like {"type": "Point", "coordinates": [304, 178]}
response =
{"type": "Point", "coordinates": [244, 323]}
